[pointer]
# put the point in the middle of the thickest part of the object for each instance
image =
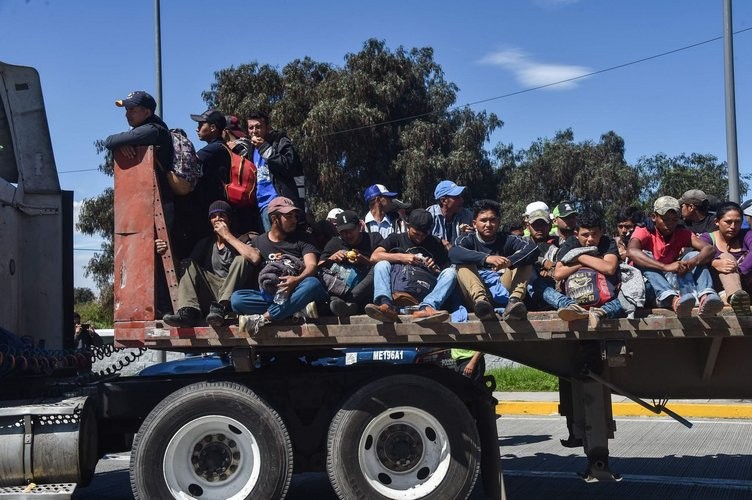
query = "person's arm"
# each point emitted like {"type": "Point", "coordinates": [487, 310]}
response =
{"type": "Point", "coordinates": [310, 261]}
{"type": "Point", "coordinates": [248, 252]}
{"type": "Point", "coordinates": [636, 255]}
{"type": "Point", "coordinates": [143, 135]}
{"type": "Point", "coordinates": [606, 265]}
{"type": "Point", "coordinates": [707, 251]}
{"type": "Point", "coordinates": [281, 158]}
{"type": "Point", "coordinates": [520, 252]}
{"type": "Point", "coordinates": [470, 366]}
{"type": "Point", "coordinates": [563, 271]}
{"type": "Point", "coordinates": [745, 267]}
{"type": "Point", "coordinates": [395, 258]}
{"type": "Point", "coordinates": [463, 252]}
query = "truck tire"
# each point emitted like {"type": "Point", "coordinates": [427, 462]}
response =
{"type": "Point", "coordinates": [211, 440]}
{"type": "Point", "coordinates": [403, 437]}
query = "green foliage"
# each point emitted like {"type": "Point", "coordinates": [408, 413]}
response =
{"type": "Point", "coordinates": [95, 313]}
{"type": "Point", "coordinates": [523, 379]}
{"type": "Point", "coordinates": [384, 117]}
{"type": "Point", "coordinates": [81, 295]}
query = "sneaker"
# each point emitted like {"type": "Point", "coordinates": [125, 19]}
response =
{"type": "Point", "coordinates": [740, 303]}
{"type": "Point", "coordinates": [595, 316]}
{"type": "Point", "coordinates": [251, 323]}
{"type": "Point", "coordinates": [216, 316]}
{"type": "Point", "coordinates": [515, 310]}
{"type": "Point", "coordinates": [384, 313]}
{"type": "Point", "coordinates": [184, 318]}
{"type": "Point", "coordinates": [342, 309]}
{"type": "Point", "coordinates": [683, 305]}
{"type": "Point", "coordinates": [572, 312]}
{"type": "Point", "coordinates": [311, 311]}
{"type": "Point", "coordinates": [484, 310]}
{"type": "Point", "coordinates": [710, 305]}
{"type": "Point", "coordinates": [429, 315]}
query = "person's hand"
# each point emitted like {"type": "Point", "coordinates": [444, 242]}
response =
{"type": "Point", "coordinates": [466, 228]}
{"type": "Point", "coordinates": [497, 262]}
{"type": "Point", "coordinates": [338, 256]}
{"type": "Point", "coordinates": [257, 141]}
{"type": "Point", "coordinates": [469, 369]}
{"type": "Point", "coordinates": [161, 246]}
{"type": "Point", "coordinates": [288, 284]}
{"type": "Point", "coordinates": [128, 151]}
{"type": "Point", "coordinates": [725, 266]}
{"type": "Point", "coordinates": [430, 264]}
{"type": "Point", "coordinates": [413, 259]}
{"type": "Point", "coordinates": [220, 228]}
{"type": "Point", "coordinates": [78, 328]}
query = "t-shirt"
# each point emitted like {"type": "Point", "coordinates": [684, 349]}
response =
{"type": "Point", "coordinates": [706, 225]}
{"type": "Point", "coordinates": [607, 245]}
{"type": "Point", "coordinates": [663, 251]}
{"type": "Point", "coordinates": [215, 163]}
{"type": "Point", "coordinates": [295, 246]}
{"type": "Point", "coordinates": [265, 191]}
{"type": "Point", "coordinates": [368, 243]}
{"type": "Point", "coordinates": [429, 247]}
{"type": "Point", "coordinates": [221, 259]}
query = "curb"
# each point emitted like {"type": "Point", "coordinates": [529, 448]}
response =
{"type": "Point", "coordinates": [686, 410]}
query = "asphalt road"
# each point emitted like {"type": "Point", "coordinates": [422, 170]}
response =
{"type": "Point", "coordinates": [658, 458]}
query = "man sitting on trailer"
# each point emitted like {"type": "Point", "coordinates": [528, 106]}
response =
{"type": "Point", "coordinates": [258, 307]}
{"type": "Point", "coordinates": [538, 225]}
{"type": "Point", "coordinates": [450, 217]}
{"type": "Point", "coordinates": [418, 260]}
{"type": "Point", "coordinates": [588, 266]}
{"type": "Point", "coordinates": [348, 257]}
{"type": "Point", "coordinates": [678, 284]}
{"type": "Point", "coordinates": [482, 255]}
{"type": "Point", "coordinates": [219, 265]}
{"type": "Point", "coordinates": [381, 216]}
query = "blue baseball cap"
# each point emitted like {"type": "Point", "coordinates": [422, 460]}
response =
{"type": "Point", "coordinates": [137, 98]}
{"type": "Point", "coordinates": [447, 188]}
{"type": "Point", "coordinates": [377, 190]}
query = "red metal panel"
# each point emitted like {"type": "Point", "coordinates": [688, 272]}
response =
{"type": "Point", "coordinates": [134, 237]}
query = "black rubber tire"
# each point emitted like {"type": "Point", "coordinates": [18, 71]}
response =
{"type": "Point", "coordinates": [225, 400]}
{"type": "Point", "coordinates": [368, 406]}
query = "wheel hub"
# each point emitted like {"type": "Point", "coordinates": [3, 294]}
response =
{"type": "Point", "coordinates": [399, 447]}
{"type": "Point", "coordinates": [215, 457]}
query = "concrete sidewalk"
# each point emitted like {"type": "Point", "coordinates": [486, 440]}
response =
{"type": "Point", "coordinates": [547, 403]}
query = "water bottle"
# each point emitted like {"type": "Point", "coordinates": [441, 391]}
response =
{"type": "Point", "coordinates": [280, 297]}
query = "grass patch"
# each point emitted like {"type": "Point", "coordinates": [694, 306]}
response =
{"type": "Point", "coordinates": [523, 379]}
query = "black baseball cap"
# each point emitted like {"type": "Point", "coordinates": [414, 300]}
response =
{"type": "Point", "coordinates": [211, 116]}
{"type": "Point", "coordinates": [347, 220]}
{"type": "Point", "coordinates": [137, 98]}
{"type": "Point", "coordinates": [421, 220]}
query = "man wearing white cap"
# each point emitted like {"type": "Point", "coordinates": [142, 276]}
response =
{"type": "Point", "coordinates": [380, 217]}
{"type": "Point", "coordinates": [450, 217]}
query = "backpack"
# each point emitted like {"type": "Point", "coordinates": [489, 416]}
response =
{"type": "Point", "coordinates": [589, 288]}
{"type": "Point", "coordinates": [414, 280]}
{"type": "Point", "coordinates": [241, 190]}
{"type": "Point", "coordinates": [185, 162]}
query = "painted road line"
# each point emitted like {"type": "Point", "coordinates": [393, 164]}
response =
{"type": "Point", "coordinates": [705, 410]}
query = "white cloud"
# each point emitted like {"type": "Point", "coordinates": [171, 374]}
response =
{"type": "Point", "coordinates": [531, 73]}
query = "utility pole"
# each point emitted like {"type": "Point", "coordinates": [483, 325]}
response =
{"type": "Point", "coordinates": [158, 48]}
{"type": "Point", "coordinates": [728, 58]}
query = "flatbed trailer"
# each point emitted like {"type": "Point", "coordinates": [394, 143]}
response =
{"type": "Point", "coordinates": [379, 431]}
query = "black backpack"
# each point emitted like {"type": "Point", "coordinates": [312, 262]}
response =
{"type": "Point", "coordinates": [414, 280]}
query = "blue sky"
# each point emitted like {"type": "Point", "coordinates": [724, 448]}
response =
{"type": "Point", "coordinates": [90, 53]}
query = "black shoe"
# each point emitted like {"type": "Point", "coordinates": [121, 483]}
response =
{"type": "Point", "coordinates": [484, 310]}
{"type": "Point", "coordinates": [217, 315]}
{"type": "Point", "coordinates": [185, 317]}
{"type": "Point", "coordinates": [515, 310]}
{"type": "Point", "coordinates": [342, 309]}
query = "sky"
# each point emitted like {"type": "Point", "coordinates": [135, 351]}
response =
{"type": "Point", "coordinates": [91, 52]}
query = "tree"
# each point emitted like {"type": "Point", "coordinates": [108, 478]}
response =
{"type": "Point", "coordinates": [97, 217]}
{"type": "Point", "coordinates": [384, 117]}
{"type": "Point", "coordinates": [82, 294]}
{"type": "Point", "coordinates": [591, 175]}
{"type": "Point", "coordinates": [663, 175]}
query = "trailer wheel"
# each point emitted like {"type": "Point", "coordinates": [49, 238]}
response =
{"type": "Point", "coordinates": [211, 440]}
{"type": "Point", "coordinates": [403, 437]}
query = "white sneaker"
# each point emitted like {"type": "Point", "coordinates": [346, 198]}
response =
{"type": "Point", "coordinates": [251, 323]}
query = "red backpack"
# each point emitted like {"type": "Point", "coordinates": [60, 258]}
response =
{"type": "Point", "coordinates": [241, 190]}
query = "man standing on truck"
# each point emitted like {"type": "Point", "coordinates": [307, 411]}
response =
{"type": "Point", "coordinates": [258, 307]}
{"type": "Point", "coordinates": [482, 255]}
{"type": "Point", "coordinates": [219, 265]}
{"type": "Point", "coordinates": [279, 172]}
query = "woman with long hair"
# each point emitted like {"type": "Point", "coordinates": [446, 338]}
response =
{"type": "Point", "coordinates": [732, 266]}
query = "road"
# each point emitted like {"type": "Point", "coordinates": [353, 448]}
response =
{"type": "Point", "coordinates": [659, 458]}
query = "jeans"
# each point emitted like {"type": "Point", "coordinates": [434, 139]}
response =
{"type": "Point", "coordinates": [612, 308]}
{"type": "Point", "coordinates": [697, 283]}
{"type": "Point", "coordinates": [258, 302]}
{"type": "Point", "coordinates": [382, 285]}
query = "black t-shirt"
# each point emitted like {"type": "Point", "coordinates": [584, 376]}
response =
{"type": "Point", "coordinates": [606, 246]}
{"type": "Point", "coordinates": [368, 243]}
{"type": "Point", "coordinates": [294, 246]}
{"type": "Point", "coordinates": [430, 247]}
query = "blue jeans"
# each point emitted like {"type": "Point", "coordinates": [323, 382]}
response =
{"type": "Point", "coordinates": [382, 285]}
{"type": "Point", "coordinates": [550, 296]}
{"type": "Point", "coordinates": [697, 283]}
{"type": "Point", "coordinates": [258, 302]}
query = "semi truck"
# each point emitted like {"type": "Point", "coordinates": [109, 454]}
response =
{"type": "Point", "coordinates": [378, 430]}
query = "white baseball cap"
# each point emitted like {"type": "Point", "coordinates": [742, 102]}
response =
{"type": "Point", "coordinates": [536, 205]}
{"type": "Point", "coordinates": [333, 213]}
